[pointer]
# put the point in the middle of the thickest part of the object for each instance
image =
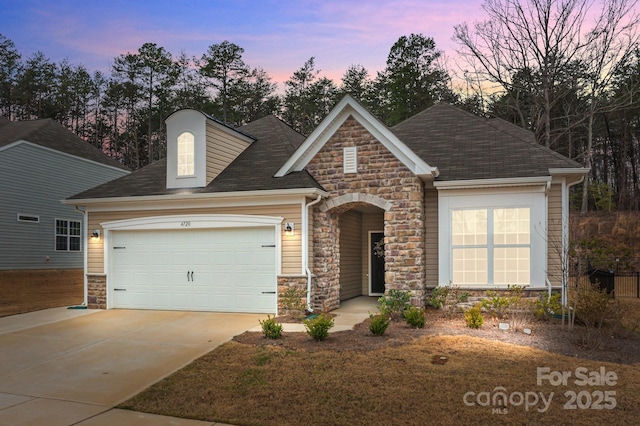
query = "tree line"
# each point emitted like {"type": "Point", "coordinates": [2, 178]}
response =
{"type": "Point", "coordinates": [535, 63]}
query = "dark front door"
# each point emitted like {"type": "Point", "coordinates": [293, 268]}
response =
{"type": "Point", "coordinates": [376, 262]}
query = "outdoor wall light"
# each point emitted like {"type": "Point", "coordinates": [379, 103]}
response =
{"type": "Point", "coordinates": [288, 229]}
{"type": "Point", "coordinates": [95, 235]}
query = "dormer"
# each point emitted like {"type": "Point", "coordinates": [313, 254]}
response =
{"type": "Point", "coordinates": [199, 148]}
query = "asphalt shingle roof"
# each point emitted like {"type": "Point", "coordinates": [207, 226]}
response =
{"type": "Point", "coordinates": [254, 169]}
{"type": "Point", "coordinates": [464, 146]}
{"type": "Point", "coordinates": [50, 134]}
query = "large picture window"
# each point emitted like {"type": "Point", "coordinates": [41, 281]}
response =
{"type": "Point", "coordinates": [491, 246]}
{"type": "Point", "coordinates": [186, 158]}
{"type": "Point", "coordinates": [67, 235]}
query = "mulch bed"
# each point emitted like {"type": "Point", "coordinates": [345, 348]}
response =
{"type": "Point", "coordinates": [619, 346]}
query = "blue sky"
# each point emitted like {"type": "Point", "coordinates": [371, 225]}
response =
{"type": "Point", "coordinates": [278, 36]}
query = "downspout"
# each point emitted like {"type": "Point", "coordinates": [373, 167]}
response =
{"type": "Point", "coordinates": [85, 226]}
{"type": "Point", "coordinates": [546, 259]}
{"type": "Point", "coordinates": [305, 247]}
{"type": "Point", "coordinates": [565, 235]}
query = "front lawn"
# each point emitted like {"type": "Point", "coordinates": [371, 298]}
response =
{"type": "Point", "coordinates": [354, 378]}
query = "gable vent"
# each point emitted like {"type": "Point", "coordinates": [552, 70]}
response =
{"type": "Point", "coordinates": [350, 159]}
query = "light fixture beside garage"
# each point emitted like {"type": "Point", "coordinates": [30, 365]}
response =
{"type": "Point", "coordinates": [288, 229]}
{"type": "Point", "coordinates": [95, 235]}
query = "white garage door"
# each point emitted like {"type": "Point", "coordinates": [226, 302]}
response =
{"type": "Point", "coordinates": [225, 270]}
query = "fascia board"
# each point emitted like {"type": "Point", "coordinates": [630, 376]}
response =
{"type": "Point", "coordinates": [186, 201]}
{"type": "Point", "coordinates": [492, 183]}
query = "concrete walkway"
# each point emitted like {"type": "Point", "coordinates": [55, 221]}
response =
{"type": "Point", "coordinates": [70, 367]}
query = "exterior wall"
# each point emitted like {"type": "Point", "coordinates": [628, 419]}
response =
{"type": "Point", "coordinates": [431, 236]}
{"type": "Point", "coordinates": [380, 176]}
{"type": "Point", "coordinates": [554, 239]}
{"type": "Point", "coordinates": [222, 149]}
{"type": "Point", "coordinates": [287, 282]}
{"type": "Point", "coordinates": [371, 222]}
{"type": "Point", "coordinates": [291, 246]}
{"type": "Point", "coordinates": [34, 181]}
{"type": "Point", "coordinates": [350, 254]}
{"type": "Point", "coordinates": [96, 291]}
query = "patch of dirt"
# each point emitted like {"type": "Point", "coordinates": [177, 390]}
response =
{"type": "Point", "coordinates": [619, 346]}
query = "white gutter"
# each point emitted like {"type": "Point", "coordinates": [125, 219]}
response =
{"type": "Point", "coordinates": [85, 233]}
{"type": "Point", "coordinates": [185, 196]}
{"type": "Point", "coordinates": [491, 183]}
{"type": "Point", "coordinates": [305, 247]}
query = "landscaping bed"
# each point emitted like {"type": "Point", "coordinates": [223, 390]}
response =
{"type": "Point", "coordinates": [355, 378]}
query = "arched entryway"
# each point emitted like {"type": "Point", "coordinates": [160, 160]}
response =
{"type": "Point", "coordinates": [361, 251]}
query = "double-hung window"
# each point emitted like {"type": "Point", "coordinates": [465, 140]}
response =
{"type": "Point", "coordinates": [67, 235]}
{"type": "Point", "coordinates": [491, 246]}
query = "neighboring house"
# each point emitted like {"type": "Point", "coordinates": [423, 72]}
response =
{"type": "Point", "coordinates": [42, 163]}
{"type": "Point", "coordinates": [235, 217]}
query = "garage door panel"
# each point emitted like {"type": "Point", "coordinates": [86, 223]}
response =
{"type": "Point", "coordinates": [232, 269]}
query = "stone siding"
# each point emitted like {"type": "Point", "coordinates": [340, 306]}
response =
{"type": "Point", "coordinates": [96, 291]}
{"type": "Point", "coordinates": [382, 181]}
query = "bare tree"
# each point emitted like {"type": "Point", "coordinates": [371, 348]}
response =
{"type": "Point", "coordinates": [535, 37]}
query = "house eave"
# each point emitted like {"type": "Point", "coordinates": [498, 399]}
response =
{"type": "Point", "coordinates": [181, 198]}
{"type": "Point", "coordinates": [493, 183]}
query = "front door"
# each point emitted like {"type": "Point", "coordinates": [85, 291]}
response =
{"type": "Point", "coordinates": [376, 263]}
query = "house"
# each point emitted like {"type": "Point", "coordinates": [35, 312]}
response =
{"type": "Point", "coordinates": [236, 217]}
{"type": "Point", "coordinates": [42, 163]}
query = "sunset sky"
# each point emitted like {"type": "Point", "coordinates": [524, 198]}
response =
{"type": "Point", "coordinates": [277, 35]}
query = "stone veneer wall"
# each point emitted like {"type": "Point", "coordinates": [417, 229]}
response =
{"type": "Point", "coordinates": [381, 180]}
{"type": "Point", "coordinates": [96, 291]}
{"type": "Point", "coordinates": [285, 283]}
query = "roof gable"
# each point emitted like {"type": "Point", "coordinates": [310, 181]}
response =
{"type": "Point", "coordinates": [252, 170]}
{"type": "Point", "coordinates": [50, 134]}
{"type": "Point", "coordinates": [350, 107]}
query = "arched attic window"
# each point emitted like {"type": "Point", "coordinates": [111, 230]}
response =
{"type": "Point", "coordinates": [186, 158]}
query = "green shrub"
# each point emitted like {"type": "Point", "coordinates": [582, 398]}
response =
{"type": "Point", "coordinates": [496, 304]}
{"type": "Point", "coordinates": [446, 298]}
{"type": "Point", "coordinates": [293, 300]}
{"type": "Point", "coordinates": [270, 328]}
{"type": "Point", "coordinates": [474, 317]}
{"type": "Point", "coordinates": [318, 327]}
{"type": "Point", "coordinates": [548, 306]}
{"type": "Point", "coordinates": [414, 316]}
{"type": "Point", "coordinates": [394, 303]}
{"type": "Point", "coordinates": [379, 324]}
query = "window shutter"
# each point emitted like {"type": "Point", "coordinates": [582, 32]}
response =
{"type": "Point", "coordinates": [350, 159]}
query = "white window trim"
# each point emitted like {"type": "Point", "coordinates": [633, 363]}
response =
{"type": "Point", "coordinates": [533, 198]}
{"type": "Point", "coordinates": [56, 235]}
{"type": "Point", "coordinates": [193, 156]}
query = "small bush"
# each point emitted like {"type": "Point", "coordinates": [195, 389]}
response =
{"type": "Point", "coordinates": [474, 317]}
{"type": "Point", "coordinates": [494, 303]}
{"type": "Point", "coordinates": [548, 306]}
{"type": "Point", "coordinates": [270, 328]}
{"type": "Point", "coordinates": [446, 298]}
{"type": "Point", "coordinates": [318, 327]}
{"type": "Point", "coordinates": [414, 316]}
{"type": "Point", "coordinates": [379, 324]}
{"type": "Point", "coordinates": [594, 306]}
{"type": "Point", "coordinates": [394, 303]}
{"type": "Point", "coordinates": [293, 300]}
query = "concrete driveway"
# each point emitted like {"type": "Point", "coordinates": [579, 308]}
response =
{"type": "Point", "coordinates": [61, 366]}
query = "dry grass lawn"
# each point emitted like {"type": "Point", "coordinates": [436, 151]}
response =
{"type": "Point", "coordinates": [248, 384]}
{"type": "Point", "coordinates": [22, 291]}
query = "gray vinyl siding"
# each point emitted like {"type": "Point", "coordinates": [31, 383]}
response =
{"type": "Point", "coordinates": [33, 181]}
